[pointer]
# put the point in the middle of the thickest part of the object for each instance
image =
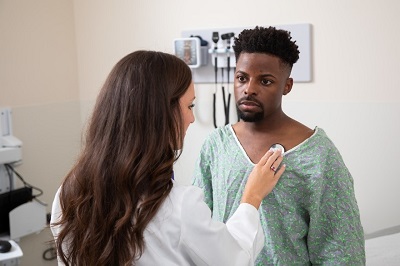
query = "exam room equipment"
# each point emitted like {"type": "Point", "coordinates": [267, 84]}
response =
{"type": "Point", "coordinates": [195, 51]}
{"type": "Point", "coordinates": [221, 55]}
{"type": "Point", "coordinates": [20, 215]}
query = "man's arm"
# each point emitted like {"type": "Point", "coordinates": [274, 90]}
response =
{"type": "Point", "coordinates": [202, 174]}
{"type": "Point", "coordinates": [335, 235]}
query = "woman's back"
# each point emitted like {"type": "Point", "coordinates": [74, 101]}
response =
{"type": "Point", "coordinates": [183, 233]}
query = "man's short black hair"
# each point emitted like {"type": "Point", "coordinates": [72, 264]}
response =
{"type": "Point", "coordinates": [269, 40]}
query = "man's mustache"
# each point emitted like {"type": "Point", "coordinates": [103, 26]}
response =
{"type": "Point", "coordinates": [248, 99]}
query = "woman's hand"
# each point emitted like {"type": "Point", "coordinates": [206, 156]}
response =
{"type": "Point", "coordinates": [263, 178]}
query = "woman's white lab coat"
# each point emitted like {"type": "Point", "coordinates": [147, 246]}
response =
{"type": "Point", "coordinates": [183, 233]}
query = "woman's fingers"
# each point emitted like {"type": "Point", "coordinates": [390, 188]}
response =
{"type": "Point", "coordinates": [263, 177]}
{"type": "Point", "coordinates": [280, 172]}
{"type": "Point", "coordinates": [271, 159]}
{"type": "Point", "coordinates": [265, 157]}
{"type": "Point", "coordinates": [275, 163]}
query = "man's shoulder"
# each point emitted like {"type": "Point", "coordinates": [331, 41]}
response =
{"type": "Point", "coordinates": [321, 142]}
{"type": "Point", "coordinates": [316, 140]}
{"type": "Point", "coordinates": [321, 136]}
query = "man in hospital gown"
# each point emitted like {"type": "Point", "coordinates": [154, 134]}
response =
{"type": "Point", "coordinates": [312, 216]}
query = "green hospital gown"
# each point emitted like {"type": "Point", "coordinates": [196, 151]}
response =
{"type": "Point", "coordinates": [310, 218]}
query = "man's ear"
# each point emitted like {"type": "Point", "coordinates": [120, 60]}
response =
{"type": "Point", "coordinates": [288, 86]}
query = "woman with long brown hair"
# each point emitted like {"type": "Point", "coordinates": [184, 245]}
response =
{"type": "Point", "coordinates": [119, 204]}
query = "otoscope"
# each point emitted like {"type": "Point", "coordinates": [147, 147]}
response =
{"type": "Point", "coordinates": [227, 37]}
{"type": "Point", "coordinates": [215, 39]}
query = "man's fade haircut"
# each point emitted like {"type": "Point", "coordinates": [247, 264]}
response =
{"type": "Point", "coordinates": [269, 40]}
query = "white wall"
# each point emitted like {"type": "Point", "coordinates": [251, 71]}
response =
{"type": "Point", "coordinates": [354, 94]}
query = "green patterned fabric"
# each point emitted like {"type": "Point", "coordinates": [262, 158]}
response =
{"type": "Point", "coordinates": [310, 218]}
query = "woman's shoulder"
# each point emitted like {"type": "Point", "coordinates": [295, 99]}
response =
{"type": "Point", "coordinates": [56, 208]}
{"type": "Point", "coordinates": [185, 192]}
{"type": "Point", "coordinates": [181, 198]}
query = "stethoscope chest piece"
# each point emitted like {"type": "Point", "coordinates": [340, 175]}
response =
{"type": "Point", "coordinates": [278, 146]}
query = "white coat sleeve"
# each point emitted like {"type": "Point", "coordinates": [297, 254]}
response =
{"type": "Point", "coordinates": [55, 217]}
{"type": "Point", "coordinates": [209, 242]}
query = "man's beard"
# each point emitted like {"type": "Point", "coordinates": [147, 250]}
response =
{"type": "Point", "coordinates": [249, 117]}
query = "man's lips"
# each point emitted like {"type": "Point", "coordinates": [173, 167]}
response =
{"type": "Point", "coordinates": [249, 103]}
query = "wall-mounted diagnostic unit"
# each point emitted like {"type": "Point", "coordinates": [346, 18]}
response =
{"type": "Point", "coordinates": [202, 49]}
{"type": "Point", "coordinates": [192, 50]}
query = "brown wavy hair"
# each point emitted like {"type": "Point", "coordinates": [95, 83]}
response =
{"type": "Point", "coordinates": [123, 173]}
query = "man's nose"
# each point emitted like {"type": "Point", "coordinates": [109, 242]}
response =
{"type": "Point", "coordinates": [251, 88]}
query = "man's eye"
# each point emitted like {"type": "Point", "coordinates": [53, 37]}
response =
{"type": "Point", "coordinates": [265, 82]}
{"type": "Point", "coordinates": [240, 78]}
